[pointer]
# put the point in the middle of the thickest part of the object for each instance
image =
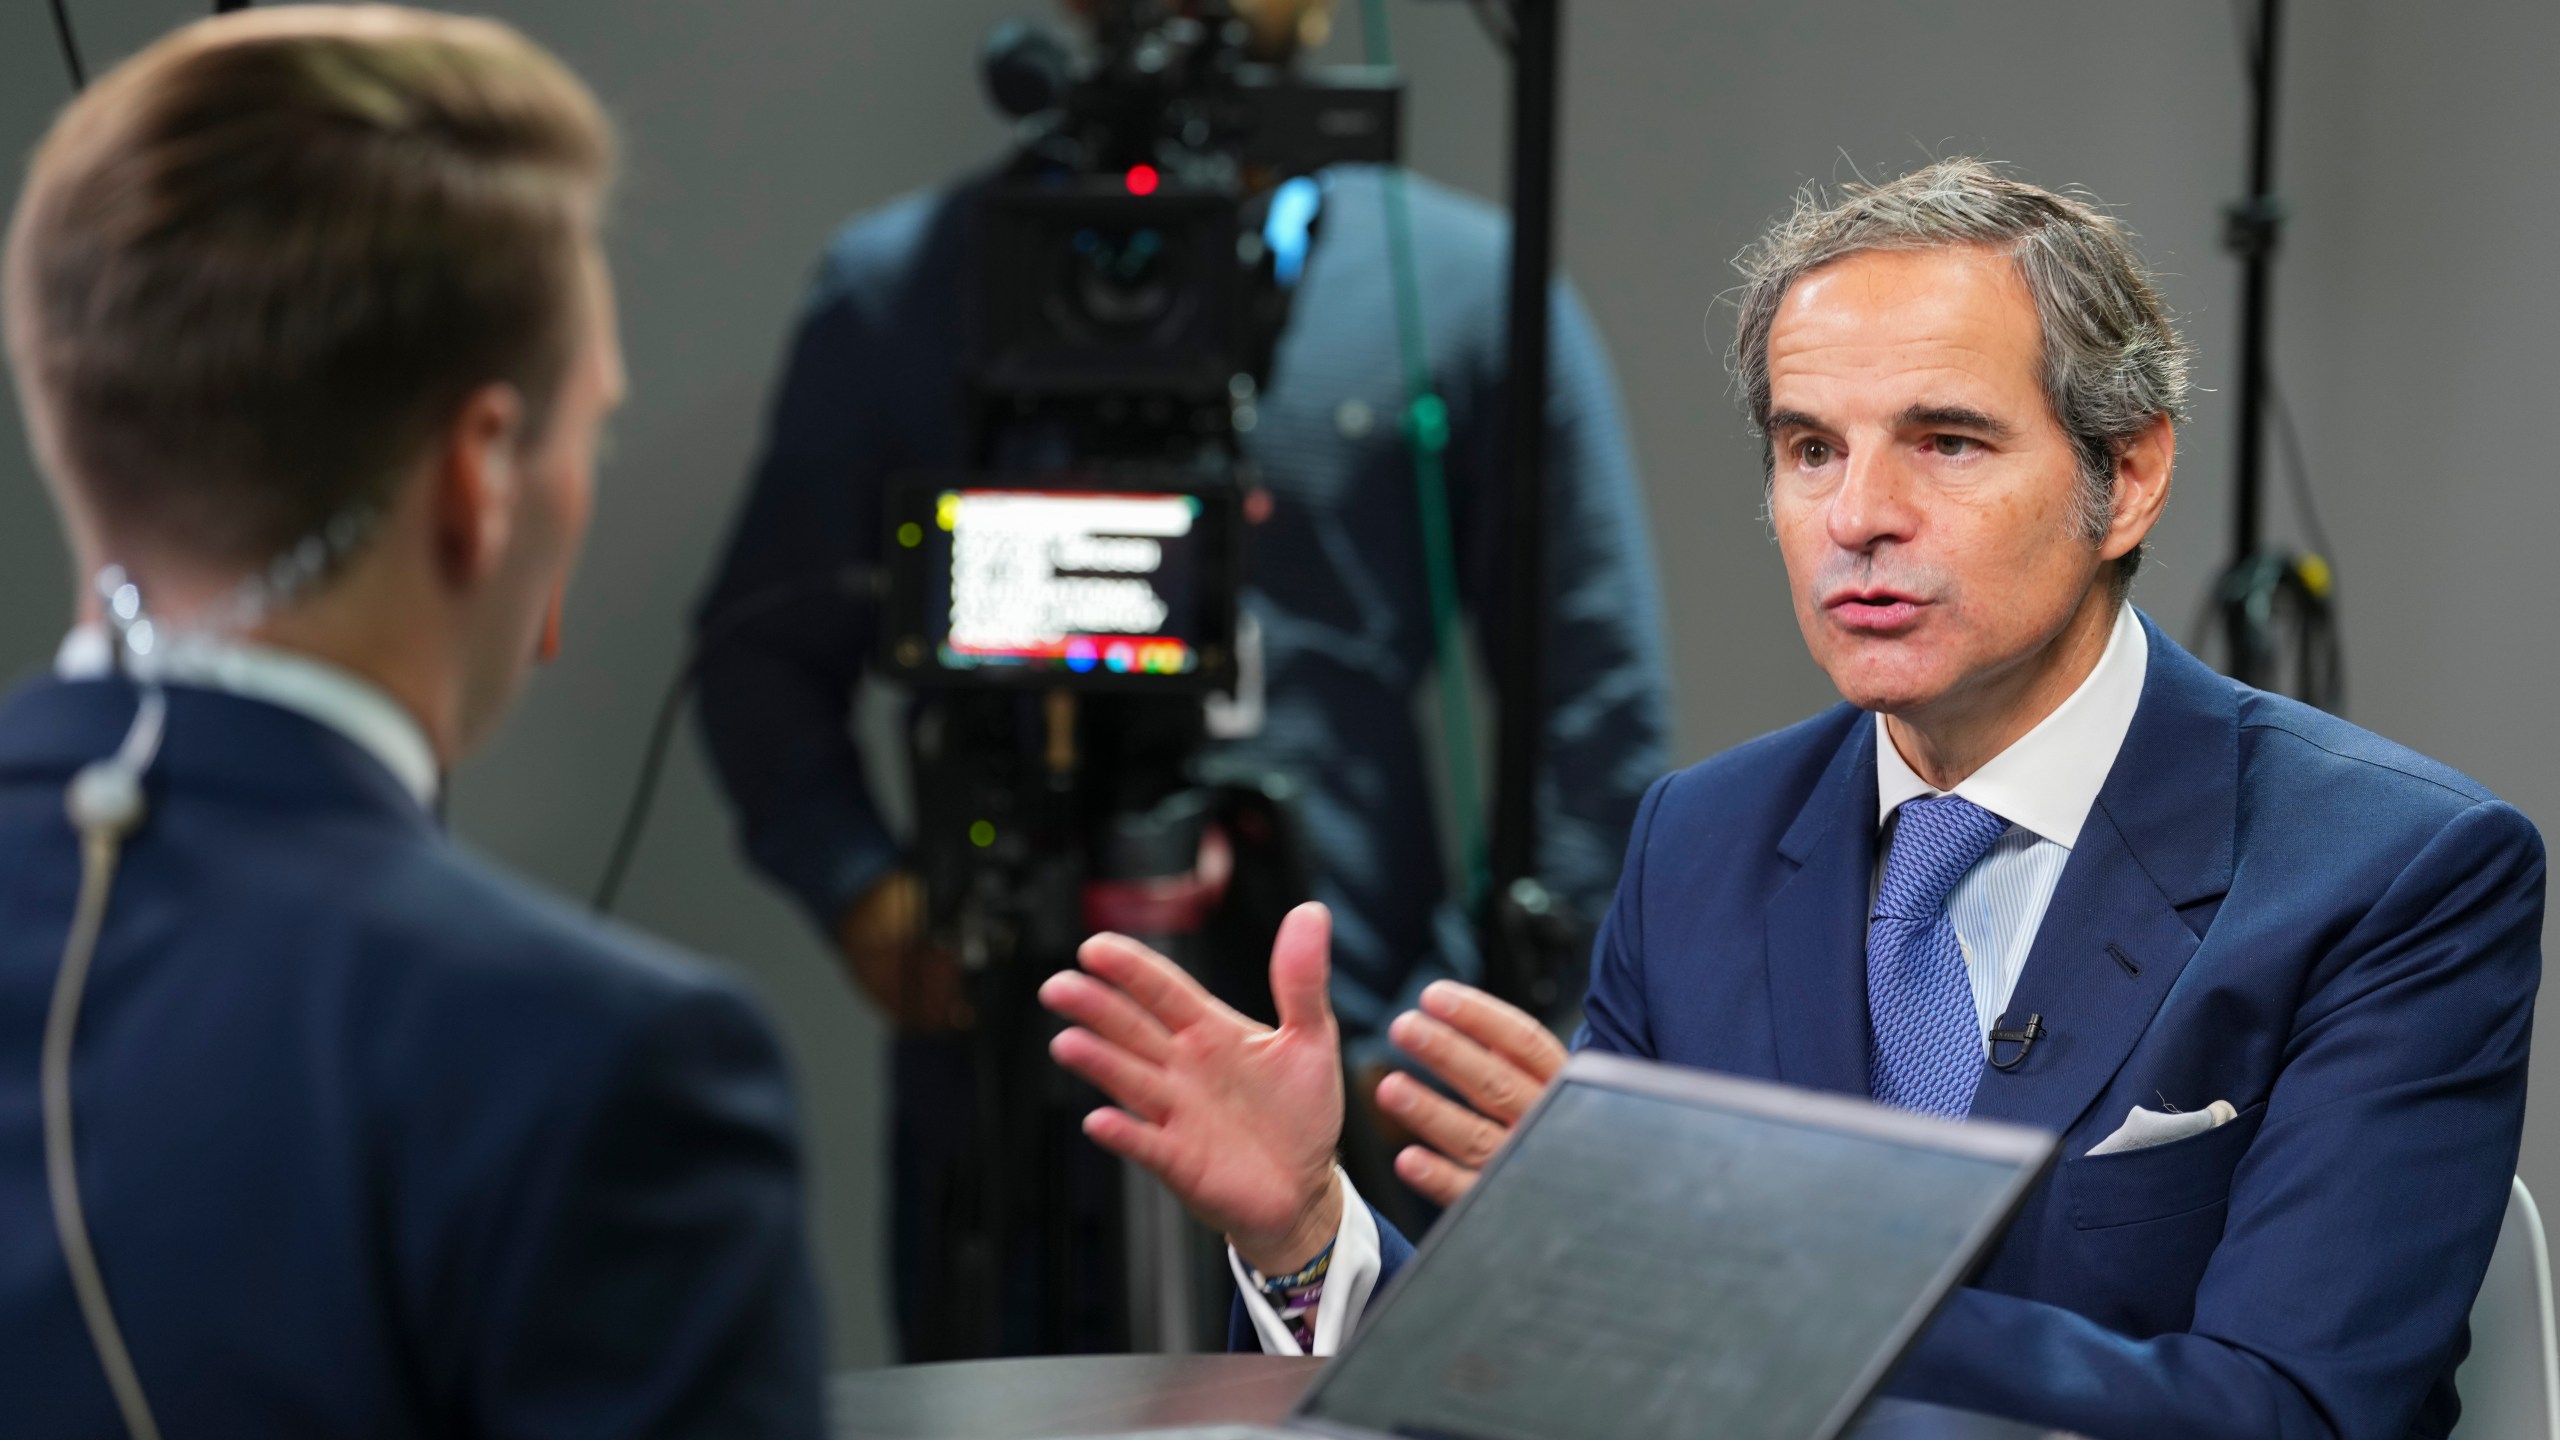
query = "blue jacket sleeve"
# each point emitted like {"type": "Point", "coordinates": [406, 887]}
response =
{"type": "Point", "coordinates": [2409, 1041]}
{"type": "Point", "coordinates": [656, 1282]}
{"type": "Point", "coordinates": [1393, 1251]}
{"type": "Point", "coordinates": [1614, 1009]}
{"type": "Point", "coordinates": [782, 644]}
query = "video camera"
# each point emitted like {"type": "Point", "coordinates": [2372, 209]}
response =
{"type": "Point", "coordinates": [1136, 262]}
{"type": "Point", "coordinates": [1068, 602]}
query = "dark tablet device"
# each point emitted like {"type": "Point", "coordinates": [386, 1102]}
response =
{"type": "Point", "coordinates": [994, 580]}
{"type": "Point", "coordinates": [1661, 1252]}
{"type": "Point", "coordinates": [1668, 1252]}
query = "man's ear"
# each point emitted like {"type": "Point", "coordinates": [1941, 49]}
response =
{"type": "Point", "coordinates": [2143, 466]}
{"type": "Point", "coordinates": [474, 482]}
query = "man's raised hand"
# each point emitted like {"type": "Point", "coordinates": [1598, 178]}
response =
{"type": "Point", "coordinates": [1238, 1120]}
{"type": "Point", "coordinates": [1497, 1056]}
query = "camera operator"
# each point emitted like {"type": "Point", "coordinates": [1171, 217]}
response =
{"type": "Point", "coordinates": [1336, 595]}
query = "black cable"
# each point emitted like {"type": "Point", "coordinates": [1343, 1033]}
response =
{"type": "Point", "coordinates": [2245, 31]}
{"type": "Point", "coordinates": [71, 44]}
{"type": "Point", "coordinates": [852, 581]}
{"type": "Point", "coordinates": [635, 814]}
{"type": "Point", "coordinates": [2323, 653]}
{"type": "Point", "coordinates": [2298, 473]}
{"type": "Point", "coordinates": [1498, 19]}
{"type": "Point", "coordinates": [1495, 18]}
{"type": "Point", "coordinates": [70, 47]}
{"type": "Point", "coordinates": [2199, 639]}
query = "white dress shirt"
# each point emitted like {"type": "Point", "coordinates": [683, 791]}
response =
{"type": "Point", "coordinates": [2043, 785]}
{"type": "Point", "coordinates": [314, 689]}
{"type": "Point", "coordinates": [1347, 1282]}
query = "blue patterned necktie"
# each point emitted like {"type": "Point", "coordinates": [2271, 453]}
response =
{"type": "Point", "coordinates": [1924, 1050]}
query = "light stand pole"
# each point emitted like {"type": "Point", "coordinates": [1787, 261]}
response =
{"type": "Point", "coordinates": [2250, 230]}
{"type": "Point", "coordinates": [1529, 943]}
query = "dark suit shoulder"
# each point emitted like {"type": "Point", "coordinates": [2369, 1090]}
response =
{"type": "Point", "coordinates": [1770, 775]}
{"type": "Point", "coordinates": [527, 978]}
{"type": "Point", "coordinates": [595, 1146]}
{"type": "Point", "coordinates": [518, 1032]}
{"type": "Point", "coordinates": [2313, 784]}
{"type": "Point", "coordinates": [2297, 744]}
{"type": "Point", "coordinates": [877, 254]}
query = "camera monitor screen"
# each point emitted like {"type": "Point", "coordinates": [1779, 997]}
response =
{"type": "Point", "coordinates": [1077, 588]}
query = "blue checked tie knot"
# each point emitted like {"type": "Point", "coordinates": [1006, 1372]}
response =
{"type": "Point", "coordinates": [1925, 1043]}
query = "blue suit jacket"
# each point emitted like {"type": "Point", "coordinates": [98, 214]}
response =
{"type": "Point", "coordinates": [373, 1140]}
{"type": "Point", "coordinates": [2267, 906]}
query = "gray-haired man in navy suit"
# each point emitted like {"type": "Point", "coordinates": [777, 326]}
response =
{"type": "Point", "coordinates": [2270, 977]}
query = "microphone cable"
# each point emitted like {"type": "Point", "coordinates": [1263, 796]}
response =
{"type": "Point", "coordinates": [105, 805]}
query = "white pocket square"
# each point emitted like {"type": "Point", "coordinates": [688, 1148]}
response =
{"type": "Point", "coordinates": [2143, 1129]}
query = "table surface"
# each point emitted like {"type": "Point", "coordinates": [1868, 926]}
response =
{"type": "Point", "coordinates": [1103, 1394]}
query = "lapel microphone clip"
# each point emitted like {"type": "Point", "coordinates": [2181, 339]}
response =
{"type": "Point", "coordinates": [2024, 1037]}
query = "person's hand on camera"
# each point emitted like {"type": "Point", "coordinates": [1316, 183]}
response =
{"type": "Point", "coordinates": [915, 983]}
{"type": "Point", "coordinates": [1238, 1120]}
{"type": "Point", "coordinates": [1495, 1055]}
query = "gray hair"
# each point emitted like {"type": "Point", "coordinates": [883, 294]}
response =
{"type": "Point", "coordinates": [2113, 362]}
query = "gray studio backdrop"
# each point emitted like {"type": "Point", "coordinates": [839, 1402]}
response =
{"type": "Point", "coordinates": [2417, 301]}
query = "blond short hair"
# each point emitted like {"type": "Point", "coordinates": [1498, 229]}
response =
{"type": "Point", "coordinates": [255, 269]}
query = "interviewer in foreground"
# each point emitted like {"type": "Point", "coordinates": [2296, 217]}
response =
{"type": "Point", "coordinates": [2306, 956]}
{"type": "Point", "coordinates": [307, 312]}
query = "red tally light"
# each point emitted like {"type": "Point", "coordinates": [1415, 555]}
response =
{"type": "Point", "coordinates": [1143, 179]}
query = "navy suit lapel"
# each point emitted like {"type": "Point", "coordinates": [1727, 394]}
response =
{"type": "Point", "coordinates": [2109, 949]}
{"type": "Point", "coordinates": [2127, 914]}
{"type": "Point", "coordinates": [1816, 924]}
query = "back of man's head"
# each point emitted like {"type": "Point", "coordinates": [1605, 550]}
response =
{"type": "Point", "coordinates": [255, 269]}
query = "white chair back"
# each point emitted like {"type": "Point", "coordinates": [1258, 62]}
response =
{"type": "Point", "coordinates": [2510, 1384]}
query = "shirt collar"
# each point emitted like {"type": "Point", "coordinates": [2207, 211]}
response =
{"type": "Point", "coordinates": [337, 698]}
{"type": "Point", "coordinates": [2049, 777]}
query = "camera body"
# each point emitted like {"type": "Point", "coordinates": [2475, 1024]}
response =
{"type": "Point", "coordinates": [1092, 291]}
{"type": "Point", "coordinates": [1135, 261]}
{"type": "Point", "coordinates": [1129, 250]}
